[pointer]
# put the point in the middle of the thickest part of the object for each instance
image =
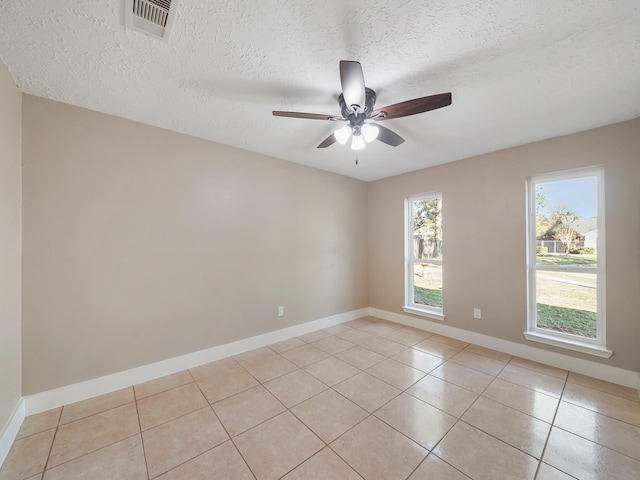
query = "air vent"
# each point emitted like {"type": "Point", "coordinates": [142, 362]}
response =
{"type": "Point", "coordinates": [151, 17]}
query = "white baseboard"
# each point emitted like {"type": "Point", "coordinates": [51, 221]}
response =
{"type": "Point", "coordinates": [43, 401]}
{"type": "Point", "coordinates": [40, 402]}
{"type": "Point", "coordinates": [11, 429]}
{"type": "Point", "coordinates": [598, 370]}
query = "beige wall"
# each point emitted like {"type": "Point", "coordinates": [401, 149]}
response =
{"type": "Point", "coordinates": [10, 243]}
{"type": "Point", "coordinates": [484, 201]}
{"type": "Point", "coordinates": [141, 244]}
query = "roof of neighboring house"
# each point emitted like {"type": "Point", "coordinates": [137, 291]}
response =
{"type": "Point", "coordinates": [586, 225]}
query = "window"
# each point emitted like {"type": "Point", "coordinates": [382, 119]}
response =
{"type": "Point", "coordinates": [566, 261]}
{"type": "Point", "coordinates": [423, 264]}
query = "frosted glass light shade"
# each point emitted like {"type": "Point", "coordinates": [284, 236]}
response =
{"type": "Point", "coordinates": [357, 143]}
{"type": "Point", "coordinates": [342, 134]}
{"type": "Point", "coordinates": [369, 132]}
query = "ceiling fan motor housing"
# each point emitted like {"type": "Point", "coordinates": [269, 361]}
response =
{"type": "Point", "coordinates": [357, 120]}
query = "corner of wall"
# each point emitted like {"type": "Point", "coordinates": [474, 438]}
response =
{"type": "Point", "coordinates": [11, 429]}
{"type": "Point", "coordinates": [11, 403]}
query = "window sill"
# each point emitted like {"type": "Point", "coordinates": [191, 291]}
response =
{"type": "Point", "coordinates": [424, 312]}
{"type": "Point", "coordinates": [576, 346]}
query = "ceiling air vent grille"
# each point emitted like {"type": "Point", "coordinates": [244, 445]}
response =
{"type": "Point", "coordinates": [152, 17]}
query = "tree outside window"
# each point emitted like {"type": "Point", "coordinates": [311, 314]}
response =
{"type": "Point", "coordinates": [424, 253]}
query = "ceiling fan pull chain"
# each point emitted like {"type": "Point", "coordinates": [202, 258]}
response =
{"type": "Point", "coordinates": [356, 158]}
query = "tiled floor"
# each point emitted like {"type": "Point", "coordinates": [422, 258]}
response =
{"type": "Point", "coordinates": [367, 399]}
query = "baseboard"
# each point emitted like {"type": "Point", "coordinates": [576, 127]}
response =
{"type": "Point", "coordinates": [76, 392]}
{"type": "Point", "coordinates": [40, 402]}
{"type": "Point", "coordinates": [598, 370]}
{"type": "Point", "coordinates": [11, 429]}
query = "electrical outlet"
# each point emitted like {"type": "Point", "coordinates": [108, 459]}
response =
{"type": "Point", "coordinates": [477, 313]}
{"type": "Point", "coordinates": [281, 311]}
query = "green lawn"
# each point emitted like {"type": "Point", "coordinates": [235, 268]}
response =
{"type": "Point", "coordinates": [561, 259]}
{"type": "Point", "coordinates": [566, 301]}
{"type": "Point", "coordinates": [567, 320]}
{"type": "Point", "coordinates": [427, 296]}
{"type": "Point", "coordinates": [427, 285]}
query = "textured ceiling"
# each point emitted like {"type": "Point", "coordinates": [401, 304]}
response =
{"type": "Point", "coordinates": [519, 70]}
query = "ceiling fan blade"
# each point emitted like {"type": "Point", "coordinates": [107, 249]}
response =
{"type": "Point", "coordinates": [352, 80]}
{"type": "Point", "coordinates": [310, 116]}
{"type": "Point", "coordinates": [389, 136]}
{"type": "Point", "coordinates": [330, 140]}
{"type": "Point", "coordinates": [411, 107]}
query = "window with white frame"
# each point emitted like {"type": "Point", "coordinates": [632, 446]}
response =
{"type": "Point", "coordinates": [423, 255]}
{"type": "Point", "coordinates": [565, 262]}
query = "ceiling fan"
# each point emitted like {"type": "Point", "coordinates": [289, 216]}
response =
{"type": "Point", "coordinates": [356, 105]}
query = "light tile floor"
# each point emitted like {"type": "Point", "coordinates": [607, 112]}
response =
{"type": "Point", "coordinates": [367, 399]}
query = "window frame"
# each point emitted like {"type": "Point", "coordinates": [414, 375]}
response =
{"type": "Point", "coordinates": [410, 306]}
{"type": "Point", "coordinates": [596, 346]}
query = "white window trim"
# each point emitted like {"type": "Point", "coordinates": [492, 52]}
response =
{"type": "Point", "coordinates": [409, 262]}
{"type": "Point", "coordinates": [569, 344]}
{"type": "Point", "coordinates": [424, 312]}
{"type": "Point", "coordinates": [595, 346]}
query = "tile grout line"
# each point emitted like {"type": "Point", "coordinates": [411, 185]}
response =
{"type": "Point", "coordinates": [559, 399]}
{"type": "Point", "coordinates": [280, 413]}
{"type": "Point", "coordinates": [173, 419]}
{"type": "Point", "coordinates": [539, 461]}
{"type": "Point", "coordinates": [86, 453]}
{"type": "Point", "coordinates": [344, 433]}
{"type": "Point", "coordinates": [325, 445]}
{"type": "Point", "coordinates": [223, 426]}
{"type": "Point", "coordinates": [91, 452]}
{"type": "Point", "coordinates": [635, 459]}
{"type": "Point", "coordinates": [553, 421]}
{"type": "Point", "coordinates": [144, 451]}
{"type": "Point", "coordinates": [505, 364]}
{"type": "Point", "coordinates": [372, 414]}
{"type": "Point", "coordinates": [225, 429]}
{"type": "Point", "coordinates": [459, 419]}
{"type": "Point", "coordinates": [284, 406]}
{"type": "Point", "coordinates": [369, 414]}
{"type": "Point", "coordinates": [55, 434]}
{"type": "Point", "coordinates": [601, 390]}
{"type": "Point", "coordinates": [602, 413]}
{"type": "Point", "coordinates": [519, 411]}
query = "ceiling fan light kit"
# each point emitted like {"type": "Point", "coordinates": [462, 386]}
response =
{"type": "Point", "coordinates": [359, 137]}
{"type": "Point", "coordinates": [356, 106]}
{"type": "Point", "coordinates": [369, 132]}
{"type": "Point", "coordinates": [343, 134]}
{"type": "Point", "coordinates": [357, 143]}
